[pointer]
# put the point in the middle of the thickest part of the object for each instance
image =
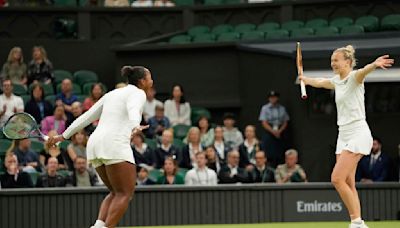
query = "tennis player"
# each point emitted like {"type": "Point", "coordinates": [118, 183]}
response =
{"type": "Point", "coordinates": [354, 139]}
{"type": "Point", "coordinates": [108, 148]}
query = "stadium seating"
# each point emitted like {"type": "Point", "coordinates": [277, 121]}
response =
{"type": "Point", "coordinates": [184, 2]}
{"type": "Point", "coordinates": [229, 36]}
{"type": "Point", "coordinates": [180, 131]}
{"type": "Point", "coordinates": [88, 86]}
{"type": "Point", "coordinates": [82, 77]}
{"type": "Point", "coordinates": [327, 31]}
{"type": "Point", "coordinates": [277, 34]}
{"type": "Point", "coordinates": [152, 143]}
{"type": "Point", "coordinates": [370, 23]}
{"type": "Point", "coordinates": [51, 99]}
{"type": "Point", "coordinates": [37, 146]}
{"type": "Point", "coordinates": [268, 26]}
{"type": "Point", "coordinates": [316, 23]}
{"type": "Point", "coordinates": [290, 25]}
{"type": "Point", "coordinates": [25, 98]}
{"type": "Point", "coordinates": [65, 2]}
{"type": "Point", "coordinates": [48, 89]}
{"type": "Point", "coordinates": [76, 88]}
{"type": "Point", "coordinates": [302, 32]}
{"type": "Point", "coordinates": [204, 38]}
{"type": "Point", "coordinates": [391, 22]}
{"type": "Point", "coordinates": [197, 30]}
{"type": "Point", "coordinates": [224, 28]}
{"type": "Point", "coordinates": [19, 89]}
{"type": "Point", "coordinates": [245, 27]}
{"type": "Point", "coordinates": [64, 144]}
{"type": "Point", "coordinates": [197, 112]}
{"type": "Point", "coordinates": [341, 22]}
{"type": "Point", "coordinates": [352, 29]}
{"type": "Point", "coordinates": [60, 75]}
{"type": "Point", "coordinates": [253, 36]}
{"type": "Point", "coordinates": [178, 143]}
{"type": "Point", "coordinates": [180, 39]}
{"type": "Point", "coordinates": [4, 146]}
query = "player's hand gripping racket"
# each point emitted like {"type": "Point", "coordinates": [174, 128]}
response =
{"type": "Point", "coordinates": [299, 63]}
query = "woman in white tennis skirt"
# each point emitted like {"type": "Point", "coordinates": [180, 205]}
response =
{"type": "Point", "coordinates": [108, 148]}
{"type": "Point", "coordinates": [354, 139]}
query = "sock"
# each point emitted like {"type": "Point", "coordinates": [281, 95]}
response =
{"type": "Point", "coordinates": [356, 220]}
{"type": "Point", "coordinates": [99, 224]}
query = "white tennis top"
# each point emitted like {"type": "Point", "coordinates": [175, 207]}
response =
{"type": "Point", "coordinates": [119, 112]}
{"type": "Point", "coordinates": [349, 97]}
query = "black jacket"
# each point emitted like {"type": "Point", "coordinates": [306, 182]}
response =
{"type": "Point", "coordinates": [160, 155]}
{"type": "Point", "coordinates": [43, 181]}
{"type": "Point", "coordinates": [225, 178]}
{"type": "Point", "coordinates": [267, 175]}
{"type": "Point", "coordinates": [23, 181]}
{"type": "Point", "coordinates": [32, 108]}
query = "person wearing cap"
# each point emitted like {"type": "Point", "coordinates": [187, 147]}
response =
{"type": "Point", "coordinates": [158, 123]}
{"type": "Point", "coordinates": [232, 136]}
{"type": "Point", "coordinates": [274, 119]}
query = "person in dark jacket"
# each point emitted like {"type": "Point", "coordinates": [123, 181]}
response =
{"type": "Point", "coordinates": [261, 172]}
{"type": "Point", "coordinates": [231, 172]}
{"type": "Point", "coordinates": [14, 177]}
{"type": "Point", "coordinates": [37, 106]}
{"type": "Point", "coordinates": [51, 178]}
{"type": "Point", "coordinates": [141, 151]}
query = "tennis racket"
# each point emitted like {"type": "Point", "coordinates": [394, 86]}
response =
{"type": "Point", "coordinates": [299, 63]}
{"type": "Point", "coordinates": [21, 126]}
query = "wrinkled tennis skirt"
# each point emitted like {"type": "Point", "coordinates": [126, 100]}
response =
{"type": "Point", "coordinates": [355, 137]}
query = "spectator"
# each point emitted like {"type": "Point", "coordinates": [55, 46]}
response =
{"type": "Point", "coordinates": [232, 136]}
{"type": "Point", "coordinates": [212, 159]}
{"type": "Point", "coordinates": [141, 151]}
{"type": "Point", "coordinates": [231, 172]}
{"type": "Point", "coordinates": [82, 176]}
{"type": "Point", "coordinates": [158, 123]}
{"type": "Point", "coordinates": [15, 68]}
{"type": "Point", "coordinates": [220, 146]}
{"type": "Point", "coordinates": [206, 132]}
{"type": "Point", "coordinates": [249, 148]}
{"type": "Point", "coordinates": [143, 175]}
{"type": "Point", "coordinates": [77, 147]}
{"type": "Point", "coordinates": [76, 111]}
{"type": "Point", "coordinates": [374, 167]}
{"type": "Point", "coordinates": [116, 3]}
{"type": "Point", "coordinates": [9, 103]}
{"type": "Point", "coordinates": [191, 149]}
{"type": "Point", "coordinates": [170, 173]}
{"type": "Point", "coordinates": [37, 106]}
{"type": "Point", "coordinates": [54, 122]}
{"type": "Point", "coordinates": [164, 3]}
{"type": "Point", "coordinates": [166, 149]}
{"type": "Point", "coordinates": [149, 109]}
{"type": "Point", "coordinates": [51, 178]}
{"type": "Point", "coordinates": [290, 171]}
{"type": "Point", "coordinates": [142, 3]}
{"type": "Point", "coordinates": [274, 119]}
{"type": "Point", "coordinates": [53, 152]}
{"type": "Point", "coordinates": [13, 177]}
{"type": "Point", "coordinates": [201, 175]}
{"type": "Point", "coordinates": [66, 97]}
{"type": "Point", "coordinates": [27, 158]}
{"type": "Point", "coordinates": [261, 172]}
{"type": "Point", "coordinates": [40, 68]}
{"type": "Point", "coordinates": [96, 93]}
{"type": "Point", "coordinates": [177, 109]}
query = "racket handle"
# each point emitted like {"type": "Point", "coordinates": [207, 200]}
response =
{"type": "Point", "coordinates": [303, 90]}
{"type": "Point", "coordinates": [45, 138]}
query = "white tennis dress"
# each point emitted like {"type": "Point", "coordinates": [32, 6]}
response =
{"type": "Point", "coordinates": [119, 111]}
{"type": "Point", "coordinates": [354, 133]}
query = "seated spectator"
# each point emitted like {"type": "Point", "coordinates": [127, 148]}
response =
{"type": "Point", "coordinates": [166, 149]}
{"type": "Point", "coordinates": [143, 175]}
{"type": "Point", "coordinates": [13, 177]}
{"type": "Point", "coordinates": [77, 147]}
{"type": "Point", "coordinates": [66, 97]}
{"type": "Point", "coordinates": [76, 111]}
{"type": "Point", "coordinates": [232, 136]}
{"type": "Point", "coordinates": [374, 167]}
{"type": "Point", "coordinates": [53, 152]}
{"type": "Point", "coordinates": [149, 109]}
{"type": "Point", "coordinates": [231, 172]}
{"type": "Point", "coordinates": [290, 171]}
{"type": "Point", "coordinates": [158, 123]}
{"type": "Point", "coordinates": [28, 159]}
{"type": "Point", "coordinates": [191, 149]}
{"type": "Point", "coordinates": [37, 106]}
{"type": "Point", "coordinates": [220, 146]}
{"type": "Point", "coordinates": [82, 176]}
{"type": "Point", "coordinates": [141, 151]}
{"type": "Point", "coordinates": [9, 103]}
{"type": "Point", "coordinates": [212, 159]}
{"type": "Point", "coordinates": [96, 93]}
{"type": "Point", "coordinates": [142, 3]}
{"type": "Point", "coordinates": [54, 122]}
{"type": "Point", "coordinates": [116, 3]}
{"type": "Point", "coordinates": [261, 172]}
{"type": "Point", "coordinates": [170, 173]}
{"type": "Point", "coordinates": [177, 109]}
{"type": "Point", "coordinates": [163, 3]}
{"type": "Point", "coordinates": [248, 148]}
{"type": "Point", "coordinates": [201, 175]}
{"type": "Point", "coordinates": [206, 132]}
{"type": "Point", "coordinates": [15, 69]}
{"type": "Point", "coordinates": [40, 69]}
{"type": "Point", "coordinates": [50, 178]}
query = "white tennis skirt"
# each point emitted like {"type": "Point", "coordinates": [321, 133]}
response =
{"type": "Point", "coordinates": [355, 137]}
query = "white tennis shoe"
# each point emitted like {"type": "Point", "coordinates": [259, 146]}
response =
{"type": "Point", "coordinates": [358, 225]}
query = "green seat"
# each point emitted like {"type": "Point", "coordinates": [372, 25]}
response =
{"type": "Point", "coordinates": [245, 27]}
{"type": "Point", "coordinates": [47, 88]}
{"type": "Point", "coordinates": [152, 143]}
{"type": "Point", "coordinates": [51, 99]}
{"type": "Point", "coordinates": [25, 98]}
{"type": "Point", "coordinates": [229, 37]}
{"type": "Point", "coordinates": [316, 23]}
{"type": "Point", "coordinates": [64, 173]}
{"type": "Point", "coordinates": [341, 22]}
{"type": "Point", "coordinates": [213, 2]}
{"type": "Point", "coordinates": [253, 36]}
{"type": "Point", "coordinates": [180, 131]}
{"type": "Point", "coordinates": [290, 25]}
{"type": "Point", "coordinates": [180, 39]}
{"type": "Point", "coordinates": [204, 38]}
{"type": "Point", "coordinates": [268, 26]}
{"type": "Point", "coordinates": [277, 34]}
{"type": "Point", "coordinates": [64, 144]}
{"type": "Point", "coordinates": [64, 2]}
{"type": "Point", "coordinates": [178, 143]}
{"type": "Point", "coordinates": [4, 146]}
{"type": "Point", "coordinates": [182, 172]}
{"type": "Point", "coordinates": [224, 28]}
{"type": "Point", "coordinates": [227, 2]}
{"type": "Point", "coordinates": [87, 87]}
{"type": "Point", "coordinates": [155, 174]}
{"type": "Point", "coordinates": [370, 23]}
{"type": "Point", "coordinates": [19, 89]}
{"type": "Point", "coordinates": [76, 88]}
{"type": "Point", "coordinates": [81, 98]}
{"type": "Point", "coordinates": [37, 146]}
{"type": "Point", "coordinates": [199, 29]}
{"type": "Point", "coordinates": [184, 2]}
{"type": "Point", "coordinates": [302, 32]}
{"type": "Point", "coordinates": [34, 176]}
{"type": "Point", "coordinates": [391, 22]}
{"type": "Point", "coordinates": [197, 112]}
{"type": "Point", "coordinates": [327, 31]}
{"type": "Point", "coordinates": [352, 29]}
{"type": "Point", "coordinates": [60, 75]}
{"type": "Point", "coordinates": [84, 76]}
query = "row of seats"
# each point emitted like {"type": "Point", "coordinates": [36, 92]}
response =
{"type": "Point", "coordinates": [177, 2]}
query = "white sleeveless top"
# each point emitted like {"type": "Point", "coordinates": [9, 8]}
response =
{"type": "Point", "coordinates": [349, 97]}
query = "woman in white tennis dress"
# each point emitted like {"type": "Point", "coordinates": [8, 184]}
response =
{"type": "Point", "coordinates": [354, 139]}
{"type": "Point", "coordinates": [108, 149]}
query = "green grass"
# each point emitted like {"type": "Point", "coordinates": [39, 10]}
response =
{"type": "Point", "coordinates": [386, 224]}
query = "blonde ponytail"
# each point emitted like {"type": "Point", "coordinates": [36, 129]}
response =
{"type": "Point", "coordinates": [348, 53]}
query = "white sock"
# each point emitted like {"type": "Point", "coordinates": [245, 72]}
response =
{"type": "Point", "coordinates": [356, 220]}
{"type": "Point", "coordinates": [99, 224]}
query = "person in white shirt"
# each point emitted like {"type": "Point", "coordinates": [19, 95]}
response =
{"type": "Point", "coordinates": [201, 175]}
{"type": "Point", "coordinates": [9, 103]}
{"type": "Point", "coordinates": [177, 109]}
{"type": "Point", "coordinates": [149, 109]}
{"type": "Point", "coordinates": [354, 139]}
{"type": "Point", "coordinates": [108, 148]}
{"type": "Point", "coordinates": [142, 3]}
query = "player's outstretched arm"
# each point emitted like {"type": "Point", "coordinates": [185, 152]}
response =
{"type": "Point", "coordinates": [324, 83]}
{"type": "Point", "coordinates": [382, 62]}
